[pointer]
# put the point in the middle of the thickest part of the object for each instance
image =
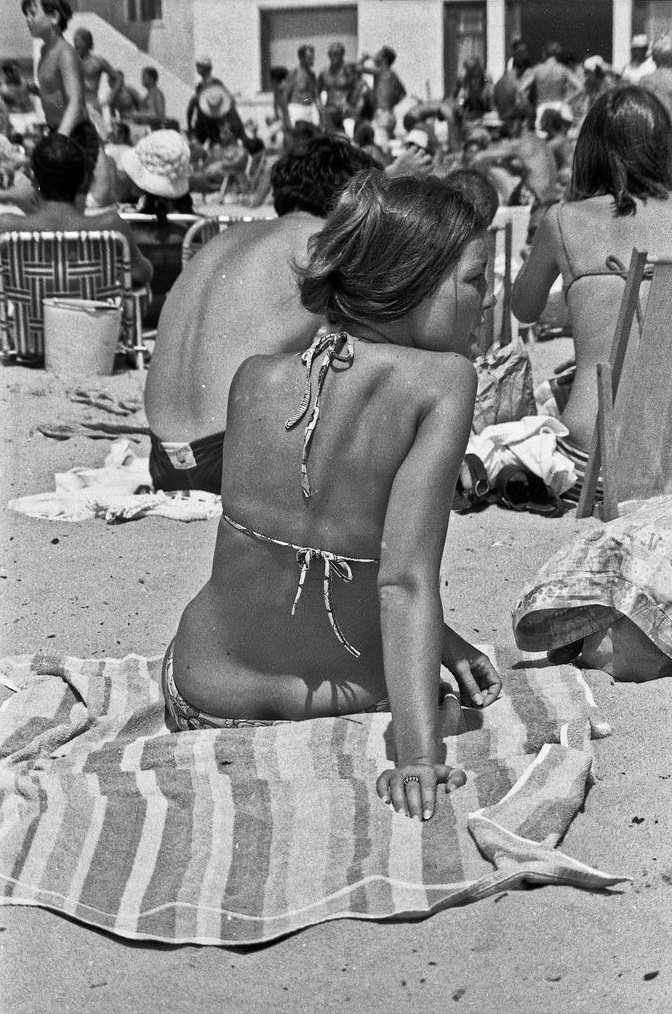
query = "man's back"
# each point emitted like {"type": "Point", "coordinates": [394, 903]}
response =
{"type": "Point", "coordinates": [236, 298]}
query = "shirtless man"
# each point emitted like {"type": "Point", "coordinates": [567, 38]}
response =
{"type": "Point", "coordinates": [94, 68]}
{"type": "Point", "coordinates": [300, 93]}
{"type": "Point", "coordinates": [237, 297]}
{"type": "Point", "coordinates": [550, 83]}
{"type": "Point", "coordinates": [152, 110]}
{"type": "Point", "coordinates": [337, 81]}
{"type": "Point", "coordinates": [388, 90]}
{"type": "Point", "coordinates": [61, 78]}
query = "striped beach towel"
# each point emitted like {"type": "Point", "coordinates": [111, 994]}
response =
{"type": "Point", "coordinates": [241, 836]}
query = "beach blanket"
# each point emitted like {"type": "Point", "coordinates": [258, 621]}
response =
{"type": "Point", "coordinates": [241, 836]}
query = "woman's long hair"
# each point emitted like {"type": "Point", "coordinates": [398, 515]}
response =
{"type": "Point", "coordinates": [624, 149]}
{"type": "Point", "coordinates": [385, 247]}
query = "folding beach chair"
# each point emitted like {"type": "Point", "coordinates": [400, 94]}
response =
{"type": "Point", "coordinates": [632, 440]}
{"type": "Point", "coordinates": [205, 229]}
{"type": "Point", "coordinates": [83, 265]}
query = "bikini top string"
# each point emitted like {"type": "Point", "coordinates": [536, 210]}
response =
{"type": "Point", "coordinates": [332, 345]}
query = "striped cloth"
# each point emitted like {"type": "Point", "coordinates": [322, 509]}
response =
{"type": "Point", "coordinates": [241, 836]}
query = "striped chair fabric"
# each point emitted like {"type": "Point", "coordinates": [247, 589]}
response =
{"type": "Point", "coordinates": [38, 265]}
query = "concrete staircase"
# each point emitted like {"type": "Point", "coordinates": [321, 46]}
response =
{"type": "Point", "coordinates": [122, 53]}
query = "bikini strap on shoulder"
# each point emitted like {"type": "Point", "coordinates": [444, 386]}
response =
{"type": "Point", "coordinates": [332, 345]}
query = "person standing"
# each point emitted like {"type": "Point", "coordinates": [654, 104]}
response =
{"type": "Point", "coordinates": [550, 83]}
{"type": "Point", "coordinates": [60, 78]}
{"type": "Point", "coordinates": [301, 95]}
{"type": "Point", "coordinates": [124, 100]}
{"type": "Point", "coordinates": [388, 90]}
{"type": "Point", "coordinates": [94, 67]}
{"type": "Point", "coordinates": [199, 127]}
{"type": "Point", "coordinates": [152, 111]}
{"type": "Point", "coordinates": [640, 64]}
{"type": "Point", "coordinates": [337, 81]}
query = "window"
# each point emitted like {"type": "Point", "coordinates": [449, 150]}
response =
{"type": "Point", "coordinates": [145, 10]}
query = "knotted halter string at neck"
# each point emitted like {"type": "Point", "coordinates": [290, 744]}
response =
{"type": "Point", "coordinates": [332, 345]}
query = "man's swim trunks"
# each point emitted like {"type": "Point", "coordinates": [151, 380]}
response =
{"type": "Point", "coordinates": [195, 465]}
{"type": "Point", "coordinates": [180, 716]}
{"type": "Point", "coordinates": [86, 136]}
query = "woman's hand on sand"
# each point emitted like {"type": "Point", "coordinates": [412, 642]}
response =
{"type": "Point", "coordinates": [411, 788]}
{"type": "Point", "coordinates": [479, 682]}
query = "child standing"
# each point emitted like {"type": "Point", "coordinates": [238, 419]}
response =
{"type": "Point", "coordinates": [61, 78]}
{"type": "Point", "coordinates": [359, 457]}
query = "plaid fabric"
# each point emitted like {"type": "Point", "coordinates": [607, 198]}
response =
{"type": "Point", "coordinates": [239, 836]}
{"type": "Point", "coordinates": [37, 265]}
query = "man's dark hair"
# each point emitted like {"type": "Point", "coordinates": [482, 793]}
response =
{"type": "Point", "coordinates": [388, 54]}
{"type": "Point", "coordinates": [85, 34]}
{"type": "Point", "coordinates": [59, 165]}
{"type": "Point", "coordinates": [551, 49]}
{"type": "Point", "coordinates": [302, 50]}
{"type": "Point", "coordinates": [60, 7]}
{"type": "Point", "coordinates": [152, 72]}
{"type": "Point", "coordinates": [312, 180]}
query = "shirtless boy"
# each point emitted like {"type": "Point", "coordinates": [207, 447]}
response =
{"type": "Point", "coordinates": [60, 76]}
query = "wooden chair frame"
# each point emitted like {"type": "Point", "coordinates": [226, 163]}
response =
{"type": "Point", "coordinates": [626, 383]}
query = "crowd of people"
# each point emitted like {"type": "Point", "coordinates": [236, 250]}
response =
{"type": "Point", "coordinates": [519, 130]}
{"type": "Point", "coordinates": [375, 269]}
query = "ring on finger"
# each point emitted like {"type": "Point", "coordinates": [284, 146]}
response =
{"type": "Point", "coordinates": [411, 778]}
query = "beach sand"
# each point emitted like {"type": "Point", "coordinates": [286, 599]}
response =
{"type": "Point", "coordinates": [90, 589]}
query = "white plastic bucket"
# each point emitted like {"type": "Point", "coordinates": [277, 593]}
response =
{"type": "Point", "coordinates": [80, 336]}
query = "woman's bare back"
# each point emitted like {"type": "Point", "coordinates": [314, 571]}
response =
{"type": "Point", "coordinates": [586, 242]}
{"type": "Point", "coordinates": [239, 651]}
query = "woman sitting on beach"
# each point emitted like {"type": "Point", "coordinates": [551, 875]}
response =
{"type": "Point", "coordinates": [354, 448]}
{"type": "Point", "coordinates": [618, 199]}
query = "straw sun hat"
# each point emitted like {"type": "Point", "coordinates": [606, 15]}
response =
{"type": "Point", "coordinates": [215, 101]}
{"type": "Point", "coordinates": [159, 164]}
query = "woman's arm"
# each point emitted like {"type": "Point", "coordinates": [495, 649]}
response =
{"type": "Point", "coordinates": [73, 90]}
{"type": "Point", "coordinates": [535, 278]}
{"type": "Point", "coordinates": [410, 603]}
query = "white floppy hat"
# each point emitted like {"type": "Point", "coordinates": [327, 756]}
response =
{"type": "Point", "coordinates": [159, 164]}
{"type": "Point", "coordinates": [215, 101]}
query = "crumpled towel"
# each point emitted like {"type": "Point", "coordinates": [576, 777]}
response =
{"type": "Point", "coordinates": [530, 442]}
{"type": "Point", "coordinates": [118, 492]}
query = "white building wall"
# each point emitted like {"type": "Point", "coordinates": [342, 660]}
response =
{"type": "Point", "coordinates": [171, 39]}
